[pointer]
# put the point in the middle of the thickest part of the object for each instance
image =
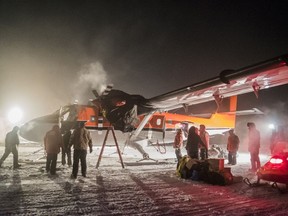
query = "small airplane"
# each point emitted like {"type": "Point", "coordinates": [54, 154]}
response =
{"type": "Point", "coordinates": [160, 125]}
{"type": "Point", "coordinates": [133, 114]}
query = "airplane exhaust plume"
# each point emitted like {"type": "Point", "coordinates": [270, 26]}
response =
{"type": "Point", "coordinates": [91, 76]}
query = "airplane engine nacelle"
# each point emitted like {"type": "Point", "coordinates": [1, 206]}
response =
{"type": "Point", "coordinates": [122, 109]}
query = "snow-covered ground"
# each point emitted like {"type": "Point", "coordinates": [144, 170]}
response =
{"type": "Point", "coordinates": [143, 188]}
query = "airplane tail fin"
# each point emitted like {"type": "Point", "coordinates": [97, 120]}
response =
{"type": "Point", "coordinates": [233, 103]}
{"type": "Point", "coordinates": [226, 115]}
{"type": "Point", "coordinates": [227, 105]}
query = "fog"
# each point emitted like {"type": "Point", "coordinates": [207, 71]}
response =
{"type": "Point", "coordinates": [55, 52]}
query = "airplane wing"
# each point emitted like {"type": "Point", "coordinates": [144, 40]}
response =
{"type": "Point", "coordinates": [121, 109]}
{"type": "Point", "coordinates": [263, 75]}
{"type": "Point", "coordinates": [253, 111]}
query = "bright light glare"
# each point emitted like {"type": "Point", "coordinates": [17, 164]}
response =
{"type": "Point", "coordinates": [276, 160]}
{"type": "Point", "coordinates": [15, 115]}
{"type": "Point", "coordinates": [271, 126]}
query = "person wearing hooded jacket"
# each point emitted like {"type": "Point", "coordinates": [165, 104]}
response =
{"type": "Point", "coordinates": [11, 146]}
{"type": "Point", "coordinates": [52, 142]}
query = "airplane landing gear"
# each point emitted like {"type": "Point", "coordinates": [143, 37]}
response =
{"type": "Point", "coordinates": [146, 157]}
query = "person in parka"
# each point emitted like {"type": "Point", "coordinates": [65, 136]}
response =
{"type": "Point", "coordinates": [81, 140]}
{"type": "Point", "coordinates": [254, 146]}
{"type": "Point", "coordinates": [204, 135]}
{"type": "Point", "coordinates": [178, 144]}
{"type": "Point", "coordinates": [232, 147]}
{"type": "Point", "coordinates": [193, 143]}
{"type": "Point", "coordinates": [11, 145]}
{"type": "Point", "coordinates": [52, 142]}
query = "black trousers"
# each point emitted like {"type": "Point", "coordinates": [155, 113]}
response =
{"type": "Point", "coordinates": [232, 158]}
{"type": "Point", "coordinates": [51, 163]}
{"type": "Point", "coordinates": [79, 155]}
{"type": "Point", "coordinates": [193, 154]}
{"type": "Point", "coordinates": [203, 154]}
{"type": "Point", "coordinates": [8, 150]}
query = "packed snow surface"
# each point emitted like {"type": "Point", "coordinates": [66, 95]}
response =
{"type": "Point", "coordinates": [141, 188]}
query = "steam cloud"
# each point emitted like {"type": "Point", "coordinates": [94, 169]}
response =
{"type": "Point", "coordinates": [91, 76]}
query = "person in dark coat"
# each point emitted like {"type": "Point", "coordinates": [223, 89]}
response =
{"type": "Point", "coordinates": [193, 143]}
{"type": "Point", "coordinates": [11, 145]}
{"type": "Point", "coordinates": [204, 135]}
{"type": "Point", "coordinates": [52, 142]}
{"type": "Point", "coordinates": [232, 147]}
{"type": "Point", "coordinates": [66, 150]}
{"type": "Point", "coordinates": [81, 140]}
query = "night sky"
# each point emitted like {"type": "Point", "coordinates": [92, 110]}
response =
{"type": "Point", "coordinates": [53, 52]}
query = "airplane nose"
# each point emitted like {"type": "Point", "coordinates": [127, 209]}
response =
{"type": "Point", "coordinates": [36, 129]}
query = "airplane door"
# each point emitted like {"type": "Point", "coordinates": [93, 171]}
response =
{"type": "Point", "coordinates": [157, 125]}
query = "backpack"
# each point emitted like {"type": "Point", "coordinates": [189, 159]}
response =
{"type": "Point", "coordinates": [182, 170]}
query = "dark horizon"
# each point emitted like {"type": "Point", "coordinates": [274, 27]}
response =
{"type": "Point", "coordinates": [53, 52]}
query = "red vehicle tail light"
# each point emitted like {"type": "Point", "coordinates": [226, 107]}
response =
{"type": "Point", "coordinates": [276, 161]}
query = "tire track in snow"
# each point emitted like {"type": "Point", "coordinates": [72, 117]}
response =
{"type": "Point", "coordinates": [167, 200]}
{"type": "Point", "coordinates": [225, 200]}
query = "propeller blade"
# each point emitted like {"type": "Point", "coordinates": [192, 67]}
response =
{"type": "Point", "coordinates": [95, 93]}
{"type": "Point", "coordinates": [107, 90]}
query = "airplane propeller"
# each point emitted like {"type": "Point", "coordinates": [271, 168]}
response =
{"type": "Point", "coordinates": [109, 87]}
{"type": "Point", "coordinates": [95, 93]}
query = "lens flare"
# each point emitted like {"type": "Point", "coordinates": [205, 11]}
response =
{"type": "Point", "coordinates": [15, 115]}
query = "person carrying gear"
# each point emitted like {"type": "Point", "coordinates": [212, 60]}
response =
{"type": "Point", "coordinates": [81, 140]}
{"type": "Point", "coordinates": [178, 144]}
{"type": "Point", "coordinates": [204, 135]}
{"type": "Point", "coordinates": [52, 142]}
{"type": "Point", "coordinates": [232, 147]}
{"type": "Point", "coordinates": [11, 145]}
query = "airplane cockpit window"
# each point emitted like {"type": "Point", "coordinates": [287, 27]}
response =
{"type": "Point", "coordinates": [72, 113]}
{"type": "Point", "coordinates": [65, 116]}
{"type": "Point", "coordinates": [68, 113]}
{"type": "Point", "coordinates": [65, 111]}
{"type": "Point", "coordinates": [159, 121]}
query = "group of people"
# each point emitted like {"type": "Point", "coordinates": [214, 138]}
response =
{"type": "Point", "coordinates": [198, 144]}
{"type": "Point", "coordinates": [197, 139]}
{"type": "Point", "coordinates": [80, 139]}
